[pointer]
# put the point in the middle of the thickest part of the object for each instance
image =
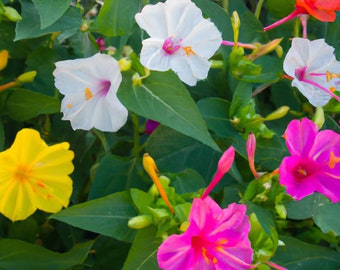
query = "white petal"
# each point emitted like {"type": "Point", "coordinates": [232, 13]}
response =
{"type": "Point", "coordinates": [183, 16]}
{"type": "Point", "coordinates": [152, 55]}
{"type": "Point", "coordinates": [315, 96]}
{"type": "Point", "coordinates": [152, 19]}
{"type": "Point", "coordinates": [320, 55]}
{"type": "Point", "coordinates": [180, 65]}
{"type": "Point", "coordinates": [297, 56]}
{"type": "Point", "coordinates": [199, 66]}
{"type": "Point", "coordinates": [204, 39]}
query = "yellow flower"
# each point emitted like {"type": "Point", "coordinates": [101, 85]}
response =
{"type": "Point", "coordinates": [34, 176]}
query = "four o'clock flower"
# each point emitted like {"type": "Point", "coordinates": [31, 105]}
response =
{"type": "Point", "coordinates": [180, 39]}
{"type": "Point", "coordinates": [322, 10]}
{"type": "Point", "coordinates": [314, 164]}
{"type": "Point", "coordinates": [312, 65]}
{"type": "Point", "coordinates": [215, 239]}
{"type": "Point", "coordinates": [90, 87]}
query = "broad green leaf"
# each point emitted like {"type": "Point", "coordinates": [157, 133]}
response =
{"type": "Point", "coordinates": [163, 98]}
{"type": "Point", "coordinates": [117, 17]}
{"type": "Point", "coordinates": [109, 252]}
{"type": "Point", "coordinates": [29, 26]}
{"type": "Point", "coordinates": [24, 104]}
{"type": "Point", "coordinates": [111, 176]}
{"type": "Point", "coordinates": [302, 209]}
{"type": "Point", "coordinates": [174, 152]}
{"type": "Point", "coordinates": [142, 255]}
{"type": "Point", "coordinates": [50, 10]}
{"type": "Point", "coordinates": [141, 199]}
{"type": "Point", "coordinates": [326, 215]}
{"type": "Point", "coordinates": [107, 216]}
{"type": "Point", "coordinates": [297, 255]}
{"type": "Point", "coordinates": [187, 181]}
{"type": "Point", "coordinates": [19, 255]}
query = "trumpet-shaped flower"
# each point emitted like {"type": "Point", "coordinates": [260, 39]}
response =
{"type": "Point", "coordinates": [320, 9]}
{"type": "Point", "coordinates": [34, 176]}
{"type": "Point", "coordinates": [90, 87]}
{"type": "Point", "coordinates": [180, 39]}
{"type": "Point", "coordinates": [312, 65]}
{"type": "Point", "coordinates": [314, 164]}
{"type": "Point", "coordinates": [215, 239]}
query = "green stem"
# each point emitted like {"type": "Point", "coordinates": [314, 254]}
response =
{"type": "Point", "coordinates": [258, 8]}
{"type": "Point", "coordinates": [297, 28]}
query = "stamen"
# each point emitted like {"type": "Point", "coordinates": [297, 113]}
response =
{"type": "Point", "coordinates": [188, 50]}
{"type": "Point", "coordinates": [302, 172]}
{"type": "Point", "coordinates": [170, 47]}
{"type": "Point", "coordinates": [88, 93]}
{"type": "Point", "coordinates": [330, 75]}
{"type": "Point", "coordinates": [333, 160]}
{"type": "Point", "coordinates": [321, 88]}
{"type": "Point", "coordinates": [69, 106]}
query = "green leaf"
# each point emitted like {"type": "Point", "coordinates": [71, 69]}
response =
{"type": "Point", "coordinates": [141, 199]}
{"type": "Point", "coordinates": [187, 181]}
{"type": "Point", "coordinates": [174, 152]}
{"type": "Point", "coordinates": [19, 255]}
{"type": "Point", "coordinates": [29, 26]}
{"type": "Point", "coordinates": [326, 215]}
{"type": "Point", "coordinates": [51, 10]}
{"type": "Point", "coordinates": [24, 104]}
{"type": "Point", "coordinates": [111, 22]}
{"type": "Point", "coordinates": [142, 255]}
{"type": "Point", "coordinates": [163, 98]}
{"type": "Point", "coordinates": [107, 216]}
{"type": "Point", "coordinates": [107, 180]}
{"type": "Point", "coordinates": [297, 255]}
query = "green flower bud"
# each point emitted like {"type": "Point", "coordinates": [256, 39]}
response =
{"type": "Point", "coordinates": [277, 114]}
{"type": "Point", "coordinates": [12, 14]}
{"type": "Point", "coordinates": [27, 77]}
{"type": "Point", "coordinates": [319, 117]}
{"type": "Point", "coordinates": [140, 222]}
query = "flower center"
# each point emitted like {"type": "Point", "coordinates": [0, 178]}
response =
{"type": "Point", "coordinates": [22, 173]}
{"type": "Point", "coordinates": [300, 73]}
{"type": "Point", "coordinates": [104, 88]}
{"type": "Point", "coordinates": [170, 46]}
{"type": "Point", "coordinates": [201, 246]}
{"type": "Point", "coordinates": [304, 169]}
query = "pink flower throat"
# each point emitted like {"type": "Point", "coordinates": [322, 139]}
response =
{"type": "Point", "coordinates": [170, 46]}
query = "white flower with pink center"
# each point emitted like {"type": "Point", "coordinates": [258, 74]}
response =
{"type": "Point", "coordinates": [313, 66]}
{"type": "Point", "coordinates": [90, 87]}
{"type": "Point", "coordinates": [180, 39]}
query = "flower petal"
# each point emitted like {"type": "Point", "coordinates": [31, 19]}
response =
{"type": "Point", "coordinates": [300, 136]}
{"type": "Point", "coordinates": [152, 55]}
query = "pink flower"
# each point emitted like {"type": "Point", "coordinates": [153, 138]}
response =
{"type": "Point", "coordinates": [150, 126]}
{"type": "Point", "coordinates": [224, 165]}
{"type": "Point", "coordinates": [215, 239]}
{"type": "Point", "coordinates": [314, 164]}
{"type": "Point", "coordinates": [251, 147]}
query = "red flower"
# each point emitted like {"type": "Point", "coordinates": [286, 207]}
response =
{"type": "Point", "coordinates": [323, 10]}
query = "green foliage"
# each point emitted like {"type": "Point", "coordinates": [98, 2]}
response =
{"type": "Point", "coordinates": [16, 254]}
{"type": "Point", "coordinates": [116, 218]}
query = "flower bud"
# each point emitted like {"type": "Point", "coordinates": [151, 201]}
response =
{"type": "Point", "coordinates": [12, 14]}
{"type": "Point", "coordinates": [27, 77]}
{"type": "Point", "coordinates": [124, 64]}
{"type": "Point", "coordinates": [319, 117]}
{"type": "Point", "coordinates": [4, 55]}
{"type": "Point", "coordinates": [277, 114]}
{"type": "Point", "coordinates": [140, 222]}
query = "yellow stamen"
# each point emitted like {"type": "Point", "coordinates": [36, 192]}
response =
{"type": "Point", "coordinates": [88, 93]}
{"type": "Point", "coordinates": [188, 50]}
{"type": "Point", "coordinates": [302, 172]}
{"type": "Point", "coordinates": [330, 75]}
{"type": "Point", "coordinates": [332, 89]}
{"type": "Point", "coordinates": [333, 160]}
{"type": "Point", "coordinates": [151, 168]}
{"type": "Point", "coordinates": [69, 106]}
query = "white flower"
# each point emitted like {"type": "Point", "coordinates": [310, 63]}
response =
{"type": "Point", "coordinates": [90, 86]}
{"type": "Point", "coordinates": [312, 64]}
{"type": "Point", "coordinates": [180, 39]}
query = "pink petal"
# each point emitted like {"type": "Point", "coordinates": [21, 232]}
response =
{"type": "Point", "coordinates": [296, 185]}
{"type": "Point", "coordinates": [300, 136]}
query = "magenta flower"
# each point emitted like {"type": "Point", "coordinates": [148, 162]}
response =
{"type": "Point", "coordinates": [215, 239]}
{"type": "Point", "coordinates": [314, 164]}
